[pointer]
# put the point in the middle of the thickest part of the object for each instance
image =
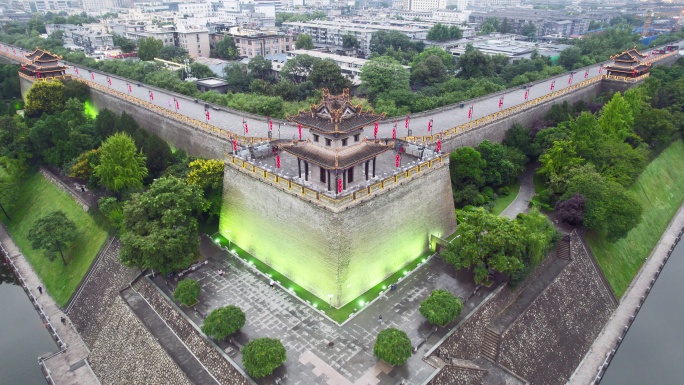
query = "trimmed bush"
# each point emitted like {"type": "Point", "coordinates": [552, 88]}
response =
{"type": "Point", "coordinates": [392, 346]}
{"type": "Point", "coordinates": [187, 292]}
{"type": "Point", "coordinates": [223, 322]}
{"type": "Point", "coordinates": [441, 307]}
{"type": "Point", "coordinates": [262, 356]}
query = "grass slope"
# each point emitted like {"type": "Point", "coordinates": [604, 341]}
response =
{"type": "Point", "coordinates": [39, 197]}
{"type": "Point", "coordinates": [660, 189]}
{"type": "Point", "coordinates": [502, 202]}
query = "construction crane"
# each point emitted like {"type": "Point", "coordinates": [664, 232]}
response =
{"type": "Point", "coordinates": [647, 23]}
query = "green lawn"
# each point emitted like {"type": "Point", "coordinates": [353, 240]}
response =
{"type": "Point", "coordinates": [39, 197]}
{"type": "Point", "coordinates": [660, 189]}
{"type": "Point", "coordinates": [502, 202]}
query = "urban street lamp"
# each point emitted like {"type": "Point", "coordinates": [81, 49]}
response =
{"type": "Point", "coordinates": [330, 296]}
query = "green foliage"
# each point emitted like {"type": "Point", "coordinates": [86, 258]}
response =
{"type": "Point", "coordinates": [441, 307]}
{"type": "Point", "coordinates": [394, 44]}
{"type": "Point", "coordinates": [160, 226]}
{"type": "Point", "coordinates": [126, 45]}
{"type": "Point", "coordinates": [259, 67]}
{"type": "Point", "coordinates": [112, 209]}
{"type": "Point", "coordinates": [53, 233]}
{"type": "Point", "coordinates": [149, 48]}
{"type": "Point", "coordinates": [441, 32]}
{"type": "Point", "coordinates": [44, 97]}
{"type": "Point", "coordinates": [237, 77]}
{"type": "Point", "coordinates": [223, 322]}
{"type": "Point", "coordinates": [282, 17]}
{"type": "Point", "coordinates": [350, 41]}
{"type": "Point", "coordinates": [304, 41]}
{"type": "Point", "coordinates": [187, 292]}
{"type": "Point", "coordinates": [208, 176]}
{"type": "Point", "coordinates": [392, 346]}
{"type": "Point", "coordinates": [489, 242]}
{"type": "Point", "coordinates": [226, 49]}
{"type": "Point", "coordinates": [327, 74]}
{"type": "Point", "coordinates": [383, 75]}
{"type": "Point", "coordinates": [262, 356]}
{"type": "Point", "coordinates": [121, 166]}
{"type": "Point", "coordinates": [173, 53]}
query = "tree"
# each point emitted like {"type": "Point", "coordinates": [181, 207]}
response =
{"type": "Point", "coordinates": [126, 45]}
{"type": "Point", "coordinates": [529, 30]}
{"type": "Point", "coordinates": [304, 41]}
{"type": "Point", "coordinates": [569, 57]}
{"type": "Point", "coordinates": [223, 322]}
{"type": "Point", "coordinates": [201, 71]}
{"type": "Point", "coordinates": [237, 77]}
{"type": "Point", "coordinates": [350, 41]}
{"type": "Point", "coordinates": [44, 97]}
{"type": "Point", "coordinates": [262, 356]}
{"type": "Point", "coordinates": [53, 233]}
{"type": "Point", "coordinates": [571, 211]}
{"type": "Point", "coordinates": [441, 307]}
{"type": "Point", "coordinates": [485, 241]}
{"type": "Point", "coordinates": [474, 64]}
{"type": "Point", "coordinates": [499, 170]}
{"type": "Point", "coordinates": [441, 32]}
{"type": "Point", "coordinates": [173, 53]}
{"type": "Point", "coordinates": [226, 49]}
{"type": "Point", "coordinates": [616, 119]}
{"type": "Point", "coordinates": [187, 292]}
{"type": "Point", "coordinates": [260, 67]}
{"type": "Point", "coordinates": [392, 346]}
{"type": "Point", "coordinates": [466, 167]}
{"type": "Point", "coordinates": [160, 226]}
{"type": "Point", "coordinates": [149, 48]}
{"type": "Point", "coordinates": [298, 68]}
{"type": "Point", "coordinates": [430, 72]}
{"type": "Point", "coordinates": [327, 74]}
{"type": "Point", "coordinates": [121, 166]}
{"type": "Point", "coordinates": [383, 75]}
{"type": "Point", "coordinates": [207, 174]}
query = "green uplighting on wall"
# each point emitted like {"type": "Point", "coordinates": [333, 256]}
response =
{"type": "Point", "coordinates": [89, 109]}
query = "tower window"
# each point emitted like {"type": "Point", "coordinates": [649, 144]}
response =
{"type": "Point", "coordinates": [328, 142]}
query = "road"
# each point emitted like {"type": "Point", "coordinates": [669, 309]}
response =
{"type": "Point", "coordinates": [257, 126]}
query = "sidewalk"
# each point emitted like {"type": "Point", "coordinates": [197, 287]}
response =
{"type": "Point", "coordinates": [70, 365]}
{"type": "Point", "coordinates": [589, 367]}
{"type": "Point", "coordinates": [521, 204]}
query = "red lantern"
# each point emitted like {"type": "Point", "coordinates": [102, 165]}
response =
{"type": "Point", "coordinates": [375, 131]}
{"type": "Point", "coordinates": [501, 101]}
{"type": "Point", "coordinates": [151, 95]}
{"type": "Point", "coordinates": [570, 79]}
{"type": "Point", "coordinates": [601, 68]}
{"type": "Point", "coordinates": [92, 76]}
{"type": "Point", "coordinates": [398, 160]}
{"type": "Point", "coordinates": [340, 185]}
{"type": "Point", "coordinates": [430, 125]}
{"type": "Point", "coordinates": [206, 112]}
{"type": "Point", "coordinates": [553, 85]}
{"type": "Point", "coordinates": [109, 81]}
{"type": "Point", "coordinates": [299, 128]}
{"type": "Point", "coordinates": [439, 145]}
{"type": "Point", "coordinates": [277, 161]}
{"type": "Point", "coordinates": [470, 112]}
{"type": "Point", "coordinates": [235, 147]}
{"type": "Point", "coordinates": [76, 69]}
{"type": "Point", "coordinates": [176, 100]}
{"type": "Point", "coordinates": [527, 93]}
{"type": "Point", "coordinates": [246, 128]}
{"type": "Point", "coordinates": [270, 125]}
{"type": "Point", "coordinates": [407, 121]}
{"type": "Point", "coordinates": [131, 90]}
{"type": "Point", "coordinates": [394, 132]}
{"type": "Point", "coordinates": [586, 74]}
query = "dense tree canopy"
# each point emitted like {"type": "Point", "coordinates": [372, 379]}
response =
{"type": "Point", "coordinates": [441, 32]}
{"type": "Point", "coordinates": [121, 166]}
{"type": "Point", "coordinates": [149, 48]}
{"type": "Point", "coordinates": [262, 356]}
{"type": "Point", "coordinates": [441, 307]}
{"type": "Point", "coordinates": [392, 346]}
{"type": "Point", "coordinates": [304, 41]}
{"type": "Point", "coordinates": [382, 75]}
{"type": "Point", "coordinates": [44, 97]}
{"type": "Point", "coordinates": [187, 292]}
{"type": "Point", "coordinates": [226, 49]}
{"type": "Point", "coordinates": [160, 226]}
{"type": "Point", "coordinates": [223, 322]}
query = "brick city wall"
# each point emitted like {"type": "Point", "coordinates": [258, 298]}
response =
{"type": "Point", "coordinates": [344, 253]}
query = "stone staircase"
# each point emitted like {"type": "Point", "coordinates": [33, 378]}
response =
{"type": "Point", "coordinates": [563, 248]}
{"type": "Point", "coordinates": [490, 345]}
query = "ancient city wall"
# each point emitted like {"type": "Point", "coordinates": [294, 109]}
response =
{"type": "Point", "coordinates": [343, 253]}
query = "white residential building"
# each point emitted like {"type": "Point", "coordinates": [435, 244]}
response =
{"type": "Point", "coordinates": [424, 5]}
{"type": "Point", "coordinates": [194, 39]}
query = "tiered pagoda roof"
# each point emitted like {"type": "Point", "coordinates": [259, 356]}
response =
{"type": "Point", "coordinates": [43, 62]}
{"type": "Point", "coordinates": [336, 158]}
{"type": "Point", "coordinates": [629, 61]}
{"type": "Point", "coordinates": [336, 114]}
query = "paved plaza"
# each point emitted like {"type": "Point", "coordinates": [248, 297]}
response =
{"type": "Point", "coordinates": [319, 351]}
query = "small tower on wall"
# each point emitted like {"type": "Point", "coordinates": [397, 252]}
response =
{"type": "Point", "coordinates": [43, 64]}
{"type": "Point", "coordinates": [335, 209]}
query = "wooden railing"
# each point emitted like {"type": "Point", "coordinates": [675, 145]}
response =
{"type": "Point", "coordinates": [339, 201]}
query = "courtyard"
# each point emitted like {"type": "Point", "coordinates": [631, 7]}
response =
{"type": "Point", "coordinates": [320, 351]}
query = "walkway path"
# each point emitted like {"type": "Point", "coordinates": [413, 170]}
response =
{"type": "Point", "coordinates": [587, 371]}
{"type": "Point", "coordinates": [70, 366]}
{"type": "Point", "coordinates": [522, 200]}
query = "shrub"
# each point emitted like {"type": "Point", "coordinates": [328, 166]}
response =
{"type": "Point", "coordinates": [505, 190]}
{"type": "Point", "coordinates": [392, 346]}
{"type": "Point", "coordinates": [487, 191]}
{"type": "Point", "coordinates": [187, 292]}
{"type": "Point", "coordinates": [571, 211]}
{"type": "Point", "coordinates": [441, 307]}
{"type": "Point", "coordinates": [223, 322]}
{"type": "Point", "coordinates": [262, 356]}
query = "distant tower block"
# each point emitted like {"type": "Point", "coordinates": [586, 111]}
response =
{"type": "Point", "coordinates": [332, 210]}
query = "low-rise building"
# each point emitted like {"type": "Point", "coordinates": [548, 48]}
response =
{"type": "Point", "coordinates": [194, 39]}
{"type": "Point", "coordinates": [252, 42]}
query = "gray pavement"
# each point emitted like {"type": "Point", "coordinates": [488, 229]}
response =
{"type": "Point", "coordinates": [320, 352]}
{"type": "Point", "coordinates": [231, 120]}
{"type": "Point", "coordinates": [614, 329]}
{"type": "Point", "coordinates": [70, 366]}
{"type": "Point", "coordinates": [521, 204]}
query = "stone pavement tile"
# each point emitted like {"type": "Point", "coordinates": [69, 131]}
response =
{"type": "Point", "coordinates": [277, 314]}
